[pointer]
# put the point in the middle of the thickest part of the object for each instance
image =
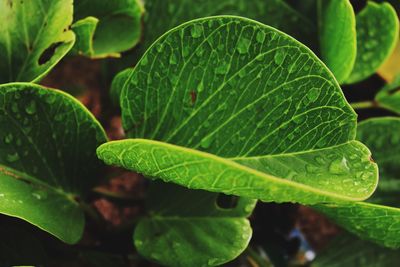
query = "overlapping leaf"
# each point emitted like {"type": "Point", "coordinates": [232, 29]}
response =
{"type": "Point", "coordinates": [389, 96]}
{"type": "Point", "coordinates": [337, 36]}
{"type": "Point", "coordinates": [349, 251]}
{"type": "Point", "coordinates": [34, 36]}
{"type": "Point", "coordinates": [107, 28]}
{"type": "Point", "coordinates": [193, 224]}
{"type": "Point", "coordinates": [377, 34]}
{"type": "Point", "coordinates": [378, 223]}
{"type": "Point", "coordinates": [48, 142]}
{"type": "Point", "coordinates": [251, 97]}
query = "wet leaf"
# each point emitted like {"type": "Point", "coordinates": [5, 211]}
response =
{"type": "Point", "coordinates": [34, 36]}
{"type": "Point", "coordinates": [107, 28]}
{"type": "Point", "coordinates": [227, 88]}
{"type": "Point", "coordinates": [377, 34]}
{"type": "Point", "coordinates": [48, 160]}
{"type": "Point", "coordinates": [338, 45]}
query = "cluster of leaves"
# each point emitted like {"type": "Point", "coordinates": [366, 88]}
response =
{"type": "Point", "coordinates": [216, 104]}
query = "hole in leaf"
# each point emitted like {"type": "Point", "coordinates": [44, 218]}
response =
{"type": "Point", "coordinates": [358, 5]}
{"type": "Point", "coordinates": [48, 53]}
{"type": "Point", "coordinates": [227, 201]}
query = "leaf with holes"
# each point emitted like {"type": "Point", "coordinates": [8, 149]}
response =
{"type": "Point", "coordinates": [47, 158]}
{"type": "Point", "coordinates": [337, 36]}
{"type": "Point", "coordinates": [107, 28]}
{"type": "Point", "coordinates": [34, 36]}
{"type": "Point", "coordinates": [193, 225]}
{"type": "Point", "coordinates": [377, 34]}
{"type": "Point", "coordinates": [377, 223]}
{"type": "Point", "coordinates": [231, 99]}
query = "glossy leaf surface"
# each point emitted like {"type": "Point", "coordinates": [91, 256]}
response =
{"type": "Point", "coordinates": [47, 157]}
{"type": "Point", "coordinates": [118, 28]}
{"type": "Point", "coordinates": [194, 225]}
{"type": "Point", "coordinates": [338, 44]}
{"type": "Point", "coordinates": [34, 36]}
{"type": "Point", "coordinates": [377, 34]}
{"type": "Point", "coordinates": [377, 223]}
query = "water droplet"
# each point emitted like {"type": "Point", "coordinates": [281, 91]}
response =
{"type": "Point", "coordinates": [222, 69]}
{"type": "Point", "coordinates": [50, 99]}
{"type": "Point", "coordinates": [14, 107]}
{"type": "Point", "coordinates": [173, 59]}
{"type": "Point", "coordinates": [31, 108]}
{"type": "Point", "coordinates": [144, 61]}
{"type": "Point", "coordinates": [12, 157]}
{"type": "Point", "coordinates": [8, 138]}
{"type": "Point", "coordinates": [260, 37]}
{"type": "Point", "coordinates": [279, 57]}
{"type": "Point", "coordinates": [311, 168]}
{"type": "Point", "coordinates": [138, 243]}
{"type": "Point", "coordinates": [196, 31]}
{"type": "Point", "coordinates": [159, 47]}
{"type": "Point", "coordinates": [243, 45]}
{"type": "Point", "coordinates": [155, 256]}
{"type": "Point", "coordinates": [200, 88]}
{"type": "Point", "coordinates": [58, 117]}
{"type": "Point", "coordinates": [313, 94]}
{"type": "Point", "coordinates": [1, 195]}
{"type": "Point", "coordinates": [320, 160]}
{"type": "Point", "coordinates": [40, 195]}
{"type": "Point", "coordinates": [339, 166]}
{"type": "Point", "coordinates": [206, 142]}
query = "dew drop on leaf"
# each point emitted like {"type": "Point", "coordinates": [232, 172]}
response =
{"type": "Point", "coordinates": [196, 31]}
{"type": "Point", "coordinates": [12, 157]}
{"type": "Point", "coordinates": [260, 37]}
{"type": "Point", "coordinates": [243, 45]}
{"type": "Point", "coordinates": [279, 57]}
{"type": "Point", "coordinates": [339, 166]}
{"type": "Point", "coordinates": [206, 142]}
{"type": "Point", "coordinates": [31, 107]}
{"type": "Point", "coordinates": [8, 138]}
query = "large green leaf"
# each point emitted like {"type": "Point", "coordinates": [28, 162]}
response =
{"type": "Point", "coordinates": [192, 225]}
{"type": "Point", "coordinates": [378, 223]}
{"type": "Point", "coordinates": [34, 36]}
{"type": "Point", "coordinates": [333, 174]}
{"type": "Point", "coordinates": [337, 36]}
{"type": "Point", "coordinates": [106, 28]}
{"type": "Point", "coordinates": [377, 34]}
{"type": "Point", "coordinates": [47, 157]}
{"type": "Point", "coordinates": [236, 88]}
{"type": "Point", "coordinates": [389, 96]}
{"type": "Point", "coordinates": [348, 251]}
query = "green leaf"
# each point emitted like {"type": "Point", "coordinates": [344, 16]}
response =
{"type": "Point", "coordinates": [34, 36]}
{"type": "Point", "coordinates": [117, 27]}
{"type": "Point", "coordinates": [164, 15]}
{"type": "Point", "coordinates": [349, 251]}
{"type": "Point", "coordinates": [84, 30]}
{"type": "Point", "coordinates": [234, 88]}
{"type": "Point", "coordinates": [194, 225]}
{"type": "Point", "coordinates": [389, 96]}
{"type": "Point", "coordinates": [48, 142]}
{"type": "Point", "coordinates": [337, 36]}
{"type": "Point", "coordinates": [338, 171]}
{"type": "Point", "coordinates": [377, 34]}
{"type": "Point", "coordinates": [382, 136]}
{"type": "Point", "coordinates": [380, 224]}
{"type": "Point", "coordinates": [117, 85]}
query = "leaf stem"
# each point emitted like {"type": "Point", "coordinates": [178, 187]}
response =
{"type": "Point", "coordinates": [363, 104]}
